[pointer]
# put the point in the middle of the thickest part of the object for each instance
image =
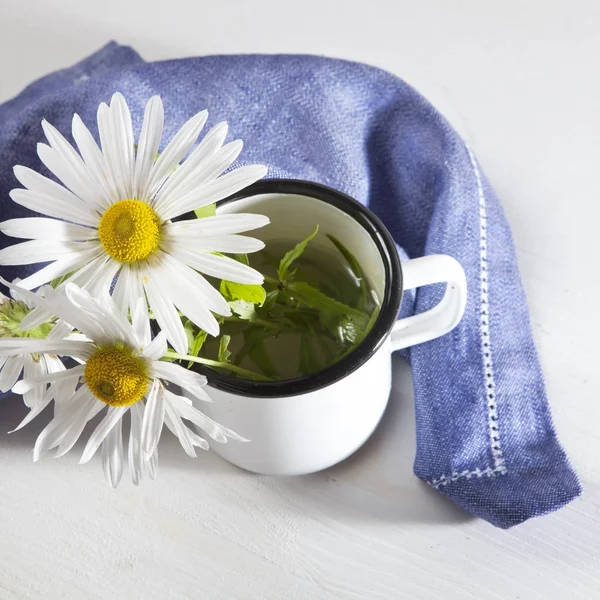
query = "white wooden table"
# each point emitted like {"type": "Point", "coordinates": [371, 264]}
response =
{"type": "Point", "coordinates": [520, 81]}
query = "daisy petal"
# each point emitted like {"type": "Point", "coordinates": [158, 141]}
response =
{"type": "Point", "coordinates": [120, 293]}
{"type": "Point", "coordinates": [36, 182]}
{"type": "Point", "coordinates": [62, 160]}
{"type": "Point", "coordinates": [215, 226]}
{"type": "Point", "coordinates": [112, 417]}
{"type": "Point", "coordinates": [207, 171]}
{"type": "Point", "coordinates": [10, 372]}
{"type": "Point", "coordinates": [100, 286]}
{"type": "Point", "coordinates": [157, 347]}
{"type": "Point", "coordinates": [192, 302]}
{"type": "Point", "coordinates": [165, 313]}
{"type": "Point", "coordinates": [193, 382]}
{"type": "Point", "coordinates": [198, 441]}
{"type": "Point", "coordinates": [137, 296]}
{"type": "Point", "coordinates": [53, 363]}
{"type": "Point", "coordinates": [55, 431]}
{"type": "Point", "coordinates": [211, 264]}
{"type": "Point", "coordinates": [87, 410]}
{"type": "Point", "coordinates": [24, 386]}
{"type": "Point", "coordinates": [216, 190]}
{"type": "Point", "coordinates": [92, 316]}
{"type": "Point", "coordinates": [87, 275]}
{"type": "Point", "coordinates": [34, 251]}
{"type": "Point", "coordinates": [148, 145]}
{"type": "Point", "coordinates": [73, 348]}
{"type": "Point", "coordinates": [18, 293]}
{"type": "Point", "coordinates": [33, 413]}
{"type": "Point", "coordinates": [62, 392]}
{"type": "Point", "coordinates": [53, 206]}
{"type": "Point", "coordinates": [48, 439]}
{"type": "Point", "coordinates": [94, 160]}
{"type": "Point", "coordinates": [182, 277]}
{"type": "Point", "coordinates": [231, 244]}
{"type": "Point", "coordinates": [62, 267]}
{"type": "Point", "coordinates": [134, 454]}
{"type": "Point", "coordinates": [152, 465]}
{"type": "Point", "coordinates": [154, 416]}
{"type": "Point", "coordinates": [183, 179]}
{"type": "Point", "coordinates": [110, 149]}
{"type": "Point", "coordinates": [214, 430]}
{"type": "Point", "coordinates": [175, 150]}
{"type": "Point", "coordinates": [123, 158]}
{"type": "Point", "coordinates": [179, 430]}
{"type": "Point", "coordinates": [141, 323]}
{"type": "Point", "coordinates": [32, 368]}
{"type": "Point", "coordinates": [38, 228]}
{"type": "Point", "coordinates": [112, 455]}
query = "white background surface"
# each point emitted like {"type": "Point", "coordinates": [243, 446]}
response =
{"type": "Point", "coordinates": [520, 80]}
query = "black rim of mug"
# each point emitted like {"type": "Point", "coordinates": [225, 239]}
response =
{"type": "Point", "coordinates": [390, 304]}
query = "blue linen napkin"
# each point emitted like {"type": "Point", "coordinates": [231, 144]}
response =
{"type": "Point", "coordinates": [485, 438]}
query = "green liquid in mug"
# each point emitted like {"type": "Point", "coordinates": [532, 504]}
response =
{"type": "Point", "coordinates": [308, 322]}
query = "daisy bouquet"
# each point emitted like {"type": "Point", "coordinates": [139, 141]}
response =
{"type": "Point", "coordinates": [130, 291]}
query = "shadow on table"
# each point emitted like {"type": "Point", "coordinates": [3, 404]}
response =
{"type": "Point", "coordinates": [375, 484]}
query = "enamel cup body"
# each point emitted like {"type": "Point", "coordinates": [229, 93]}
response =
{"type": "Point", "coordinates": [308, 424]}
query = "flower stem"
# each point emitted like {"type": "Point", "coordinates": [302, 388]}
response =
{"type": "Point", "coordinates": [217, 364]}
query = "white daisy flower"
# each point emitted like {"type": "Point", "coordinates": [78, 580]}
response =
{"type": "Point", "coordinates": [12, 312]}
{"type": "Point", "coordinates": [113, 216]}
{"type": "Point", "coordinates": [119, 372]}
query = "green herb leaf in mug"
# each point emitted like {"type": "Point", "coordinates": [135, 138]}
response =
{"type": "Point", "coordinates": [308, 361]}
{"type": "Point", "coordinates": [224, 352]}
{"type": "Point", "coordinates": [252, 337]}
{"type": "Point", "coordinates": [262, 360]}
{"type": "Point", "coordinates": [244, 310]}
{"type": "Point", "coordinates": [209, 210]}
{"type": "Point", "coordinates": [292, 255]}
{"type": "Point", "coordinates": [255, 294]}
{"type": "Point", "coordinates": [355, 268]}
{"type": "Point", "coordinates": [314, 298]}
{"type": "Point", "coordinates": [197, 343]}
{"type": "Point", "coordinates": [243, 258]}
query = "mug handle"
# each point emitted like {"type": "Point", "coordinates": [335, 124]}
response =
{"type": "Point", "coordinates": [443, 317]}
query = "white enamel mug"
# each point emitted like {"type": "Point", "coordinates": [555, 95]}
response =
{"type": "Point", "coordinates": [307, 424]}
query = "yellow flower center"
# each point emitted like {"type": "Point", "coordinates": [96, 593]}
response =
{"type": "Point", "coordinates": [116, 376]}
{"type": "Point", "coordinates": [129, 231]}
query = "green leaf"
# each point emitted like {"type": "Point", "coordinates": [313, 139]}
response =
{"type": "Point", "coordinates": [308, 362]}
{"type": "Point", "coordinates": [269, 303]}
{"type": "Point", "coordinates": [190, 332]}
{"type": "Point", "coordinates": [252, 336]}
{"type": "Point", "coordinates": [210, 210]}
{"type": "Point", "coordinates": [224, 352]}
{"type": "Point", "coordinates": [314, 298]}
{"type": "Point", "coordinates": [245, 310]}
{"type": "Point", "coordinates": [262, 360]}
{"type": "Point", "coordinates": [255, 294]}
{"type": "Point", "coordinates": [198, 342]}
{"type": "Point", "coordinates": [195, 338]}
{"type": "Point", "coordinates": [292, 255]}
{"type": "Point", "coordinates": [372, 320]}
{"type": "Point", "coordinates": [243, 258]}
{"type": "Point", "coordinates": [56, 282]}
{"type": "Point", "coordinates": [354, 267]}
{"type": "Point", "coordinates": [350, 258]}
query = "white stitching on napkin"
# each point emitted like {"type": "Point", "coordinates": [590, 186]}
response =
{"type": "Point", "coordinates": [445, 480]}
{"type": "Point", "coordinates": [486, 350]}
{"type": "Point", "coordinates": [484, 326]}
